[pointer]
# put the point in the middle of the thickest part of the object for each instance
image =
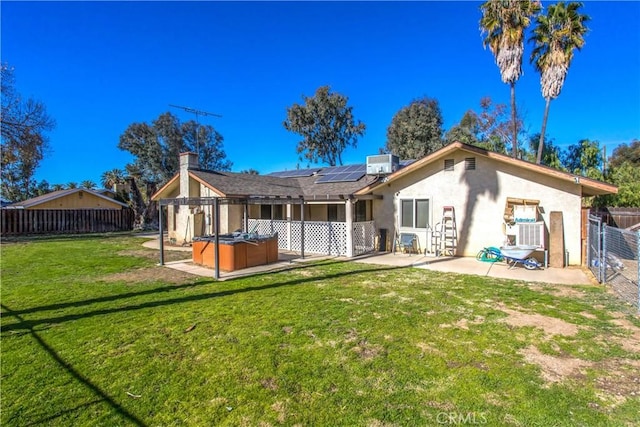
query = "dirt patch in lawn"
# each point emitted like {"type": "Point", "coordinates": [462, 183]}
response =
{"type": "Point", "coordinates": [619, 379]}
{"type": "Point", "coordinates": [631, 342]}
{"type": "Point", "coordinates": [566, 291]}
{"type": "Point", "coordinates": [550, 325]}
{"type": "Point", "coordinates": [554, 369]}
{"type": "Point", "coordinates": [151, 274]}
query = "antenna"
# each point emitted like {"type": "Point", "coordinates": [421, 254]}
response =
{"type": "Point", "coordinates": [197, 113]}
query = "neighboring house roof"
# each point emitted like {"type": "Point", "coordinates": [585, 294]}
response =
{"type": "Point", "coordinates": [25, 204]}
{"type": "Point", "coordinates": [590, 187]}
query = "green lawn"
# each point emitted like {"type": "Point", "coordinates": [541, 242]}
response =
{"type": "Point", "coordinates": [94, 333]}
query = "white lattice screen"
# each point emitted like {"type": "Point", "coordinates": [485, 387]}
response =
{"type": "Point", "coordinates": [363, 237]}
{"type": "Point", "coordinates": [267, 226]}
{"type": "Point", "coordinates": [327, 238]}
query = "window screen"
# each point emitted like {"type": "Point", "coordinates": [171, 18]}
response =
{"type": "Point", "coordinates": [406, 213]}
{"type": "Point", "coordinates": [422, 213]}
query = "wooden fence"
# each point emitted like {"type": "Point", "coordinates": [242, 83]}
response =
{"type": "Point", "coordinates": [17, 222]}
{"type": "Point", "coordinates": [618, 217]}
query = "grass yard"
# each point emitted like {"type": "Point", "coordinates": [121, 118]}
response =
{"type": "Point", "coordinates": [93, 333]}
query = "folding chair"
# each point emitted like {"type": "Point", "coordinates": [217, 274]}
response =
{"type": "Point", "coordinates": [407, 243]}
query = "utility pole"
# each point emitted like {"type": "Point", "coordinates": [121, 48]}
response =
{"type": "Point", "coordinates": [197, 113]}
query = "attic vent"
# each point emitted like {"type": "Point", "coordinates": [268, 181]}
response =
{"type": "Point", "coordinates": [470, 163]}
{"type": "Point", "coordinates": [448, 165]}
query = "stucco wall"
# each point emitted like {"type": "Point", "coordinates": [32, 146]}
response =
{"type": "Point", "coordinates": [479, 198]}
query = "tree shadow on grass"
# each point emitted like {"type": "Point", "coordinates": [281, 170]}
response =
{"type": "Point", "coordinates": [30, 324]}
{"type": "Point", "coordinates": [76, 375]}
{"type": "Point", "coordinates": [171, 288]}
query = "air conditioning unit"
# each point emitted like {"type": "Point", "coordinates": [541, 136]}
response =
{"type": "Point", "coordinates": [530, 234]}
{"type": "Point", "coordinates": [382, 164]}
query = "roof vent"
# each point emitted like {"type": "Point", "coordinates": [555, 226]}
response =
{"type": "Point", "coordinates": [382, 164]}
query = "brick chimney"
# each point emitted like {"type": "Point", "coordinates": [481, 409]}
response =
{"type": "Point", "coordinates": [188, 161]}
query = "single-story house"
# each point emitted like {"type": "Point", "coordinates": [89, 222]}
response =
{"type": "Point", "coordinates": [456, 201]}
{"type": "Point", "coordinates": [73, 198]}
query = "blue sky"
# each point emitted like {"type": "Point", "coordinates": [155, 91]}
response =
{"type": "Point", "coordinates": [100, 66]}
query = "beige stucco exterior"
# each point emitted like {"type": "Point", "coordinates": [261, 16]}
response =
{"type": "Point", "coordinates": [478, 197]}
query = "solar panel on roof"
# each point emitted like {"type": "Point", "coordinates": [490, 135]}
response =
{"type": "Point", "coordinates": [294, 173]}
{"type": "Point", "coordinates": [343, 169]}
{"type": "Point", "coordinates": [341, 177]}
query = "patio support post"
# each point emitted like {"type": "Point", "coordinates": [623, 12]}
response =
{"type": "Point", "coordinates": [349, 230]}
{"type": "Point", "coordinates": [246, 216]}
{"type": "Point", "coordinates": [301, 227]}
{"type": "Point", "coordinates": [216, 227]}
{"type": "Point", "coordinates": [160, 225]}
{"type": "Point", "coordinates": [289, 224]}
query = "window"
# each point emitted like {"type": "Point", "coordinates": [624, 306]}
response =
{"type": "Point", "coordinates": [361, 211]}
{"type": "Point", "coordinates": [406, 207]}
{"type": "Point", "coordinates": [414, 213]}
{"type": "Point", "coordinates": [278, 212]}
{"type": "Point", "coordinates": [448, 165]}
{"type": "Point", "coordinates": [265, 211]}
{"type": "Point", "coordinates": [470, 163]}
{"type": "Point", "coordinates": [422, 213]}
{"type": "Point", "coordinates": [332, 212]}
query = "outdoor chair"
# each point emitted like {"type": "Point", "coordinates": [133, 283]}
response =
{"type": "Point", "coordinates": [407, 243]}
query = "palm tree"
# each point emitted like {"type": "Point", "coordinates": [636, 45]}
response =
{"type": "Point", "coordinates": [89, 185]}
{"type": "Point", "coordinates": [504, 22]}
{"type": "Point", "coordinates": [112, 177]}
{"type": "Point", "coordinates": [71, 185]}
{"type": "Point", "coordinates": [556, 35]}
{"type": "Point", "coordinates": [57, 187]}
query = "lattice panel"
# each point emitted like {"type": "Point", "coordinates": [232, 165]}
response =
{"type": "Point", "coordinates": [327, 238]}
{"type": "Point", "coordinates": [363, 237]}
{"type": "Point", "coordinates": [267, 226]}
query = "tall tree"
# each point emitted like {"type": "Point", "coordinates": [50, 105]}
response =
{"type": "Point", "coordinates": [416, 129]}
{"type": "Point", "coordinates": [112, 177]}
{"type": "Point", "coordinates": [465, 131]}
{"type": "Point", "coordinates": [551, 155]}
{"type": "Point", "coordinates": [504, 23]}
{"type": "Point", "coordinates": [557, 34]}
{"type": "Point", "coordinates": [626, 176]}
{"type": "Point", "coordinates": [584, 158]}
{"type": "Point", "coordinates": [490, 128]}
{"type": "Point", "coordinates": [156, 148]}
{"type": "Point", "coordinates": [626, 153]}
{"type": "Point", "coordinates": [208, 143]}
{"type": "Point", "coordinates": [88, 184]}
{"type": "Point", "coordinates": [24, 124]}
{"type": "Point", "coordinates": [326, 124]}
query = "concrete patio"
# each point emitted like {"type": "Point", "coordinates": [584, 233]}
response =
{"type": "Point", "coordinates": [461, 265]}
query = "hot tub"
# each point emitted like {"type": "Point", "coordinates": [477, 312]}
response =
{"type": "Point", "coordinates": [236, 251]}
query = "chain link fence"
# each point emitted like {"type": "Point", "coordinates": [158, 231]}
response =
{"type": "Point", "coordinates": [613, 255]}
